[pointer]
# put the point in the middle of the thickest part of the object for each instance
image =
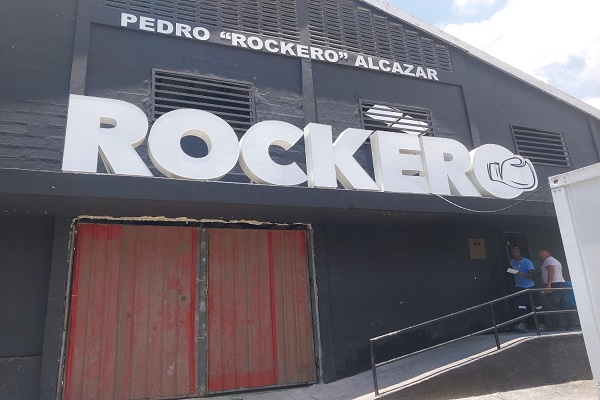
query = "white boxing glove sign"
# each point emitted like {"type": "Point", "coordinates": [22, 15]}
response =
{"type": "Point", "coordinates": [497, 172]}
{"type": "Point", "coordinates": [515, 172]}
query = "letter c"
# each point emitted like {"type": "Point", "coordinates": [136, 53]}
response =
{"type": "Point", "coordinates": [256, 161]}
{"type": "Point", "coordinates": [271, 46]}
{"type": "Point", "coordinates": [384, 65]}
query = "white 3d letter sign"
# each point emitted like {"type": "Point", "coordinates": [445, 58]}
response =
{"type": "Point", "coordinates": [497, 172]}
{"type": "Point", "coordinates": [164, 145]}
{"type": "Point", "coordinates": [111, 128]}
{"type": "Point", "coordinates": [256, 161]}
{"type": "Point", "coordinates": [397, 162]}
{"type": "Point", "coordinates": [402, 163]}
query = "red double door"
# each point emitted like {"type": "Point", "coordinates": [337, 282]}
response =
{"type": "Point", "coordinates": [143, 297]}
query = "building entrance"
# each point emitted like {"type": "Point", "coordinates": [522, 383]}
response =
{"type": "Point", "coordinates": [167, 312]}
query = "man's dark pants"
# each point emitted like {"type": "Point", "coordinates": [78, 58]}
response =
{"type": "Point", "coordinates": [524, 304]}
{"type": "Point", "coordinates": [559, 300]}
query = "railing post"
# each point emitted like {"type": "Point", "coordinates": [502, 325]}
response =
{"type": "Point", "coordinates": [535, 318]}
{"type": "Point", "coordinates": [495, 326]}
{"type": "Point", "coordinates": [374, 368]}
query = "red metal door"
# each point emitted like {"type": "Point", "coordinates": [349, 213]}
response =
{"type": "Point", "coordinates": [259, 319]}
{"type": "Point", "coordinates": [131, 330]}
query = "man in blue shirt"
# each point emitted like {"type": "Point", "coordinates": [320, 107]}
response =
{"type": "Point", "coordinates": [524, 279]}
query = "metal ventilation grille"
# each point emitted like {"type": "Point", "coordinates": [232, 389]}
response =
{"type": "Point", "coordinates": [396, 118]}
{"type": "Point", "coordinates": [345, 25]}
{"type": "Point", "coordinates": [541, 146]}
{"type": "Point", "coordinates": [230, 100]}
{"type": "Point", "coordinates": [265, 17]}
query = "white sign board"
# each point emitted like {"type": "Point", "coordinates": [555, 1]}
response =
{"type": "Point", "coordinates": [402, 163]}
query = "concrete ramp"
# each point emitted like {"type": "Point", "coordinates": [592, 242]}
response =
{"type": "Point", "coordinates": [472, 367]}
{"type": "Point", "coordinates": [522, 363]}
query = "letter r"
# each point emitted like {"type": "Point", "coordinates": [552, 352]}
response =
{"type": "Point", "coordinates": [86, 137]}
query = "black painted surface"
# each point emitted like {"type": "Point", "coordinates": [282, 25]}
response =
{"type": "Point", "coordinates": [55, 315]}
{"type": "Point", "coordinates": [500, 100]}
{"type": "Point", "coordinates": [337, 103]}
{"type": "Point", "coordinates": [25, 251]}
{"type": "Point", "coordinates": [34, 192]}
{"type": "Point", "coordinates": [384, 279]}
{"type": "Point", "coordinates": [35, 71]}
{"type": "Point", "coordinates": [497, 101]}
{"type": "Point", "coordinates": [399, 259]}
{"type": "Point", "coordinates": [119, 63]}
{"type": "Point", "coordinates": [36, 52]}
{"type": "Point", "coordinates": [19, 378]}
{"type": "Point", "coordinates": [503, 100]}
{"type": "Point", "coordinates": [327, 360]}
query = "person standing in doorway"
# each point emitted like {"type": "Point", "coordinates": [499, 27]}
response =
{"type": "Point", "coordinates": [524, 279]}
{"type": "Point", "coordinates": [558, 300]}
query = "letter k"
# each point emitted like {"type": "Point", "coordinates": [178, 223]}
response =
{"type": "Point", "coordinates": [328, 163]}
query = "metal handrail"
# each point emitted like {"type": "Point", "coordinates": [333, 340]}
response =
{"type": "Point", "coordinates": [494, 327]}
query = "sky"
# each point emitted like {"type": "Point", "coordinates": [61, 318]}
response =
{"type": "Point", "coordinates": [556, 41]}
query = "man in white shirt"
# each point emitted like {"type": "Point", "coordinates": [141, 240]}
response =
{"type": "Point", "coordinates": [558, 300]}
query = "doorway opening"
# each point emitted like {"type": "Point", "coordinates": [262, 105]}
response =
{"type": "Point", "coordinates": [174, 312]}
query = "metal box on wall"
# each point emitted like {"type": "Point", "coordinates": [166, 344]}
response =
{"type": "Point", "coordinates": [576, 197]}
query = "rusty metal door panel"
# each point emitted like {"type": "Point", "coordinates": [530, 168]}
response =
{"type": "Point", "coordinates": [295, 355]}
{"type": "Point", "coordinates": [240, 328]}
{"type": "Point", "coordinates": [131, 331]}
{"type": "Point", "coordinates": [259, 321]}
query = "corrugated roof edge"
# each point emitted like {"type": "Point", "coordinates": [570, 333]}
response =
{"type": "Point", "coordinates": [483, 56]}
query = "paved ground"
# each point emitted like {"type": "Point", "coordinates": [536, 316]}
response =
{"type": "Point", "coordinates": [578, 390]}
{"type": "Point", "coordinates": [360, 387]}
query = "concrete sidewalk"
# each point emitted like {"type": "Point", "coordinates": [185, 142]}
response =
{"type": "Point", "coordinates": [578, 390]}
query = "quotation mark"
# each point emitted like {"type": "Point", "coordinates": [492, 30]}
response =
{"type": "Point", "coordinates": [225, 35]}
{"type": "Point", "coordinates": [343, 56]}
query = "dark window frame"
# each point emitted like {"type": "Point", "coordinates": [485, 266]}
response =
{"type": "Point", "coordinates": [548, 147]}
{"type": "Point", "coordinates": [238, 93]}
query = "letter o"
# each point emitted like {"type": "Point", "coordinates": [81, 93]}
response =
{"type": "Point", "coordinates": [331, 56]}
{"type": "Point", "coordinates": [205, 33]}
{"type": "Point", "coordinates": [485, 171]}
{"type": "Point", "coordinates": [255, 43]}
{"type": "Point", "coordinates": [164, 145]}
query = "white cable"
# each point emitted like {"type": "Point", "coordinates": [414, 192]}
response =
{"type": "Point", "coordinates": [469, 209]}
{"type": "Point", "coordinates": [491, 211]}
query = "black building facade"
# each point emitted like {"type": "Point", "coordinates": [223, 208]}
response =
{"type": "Point", "coordinates": [337, 265]}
